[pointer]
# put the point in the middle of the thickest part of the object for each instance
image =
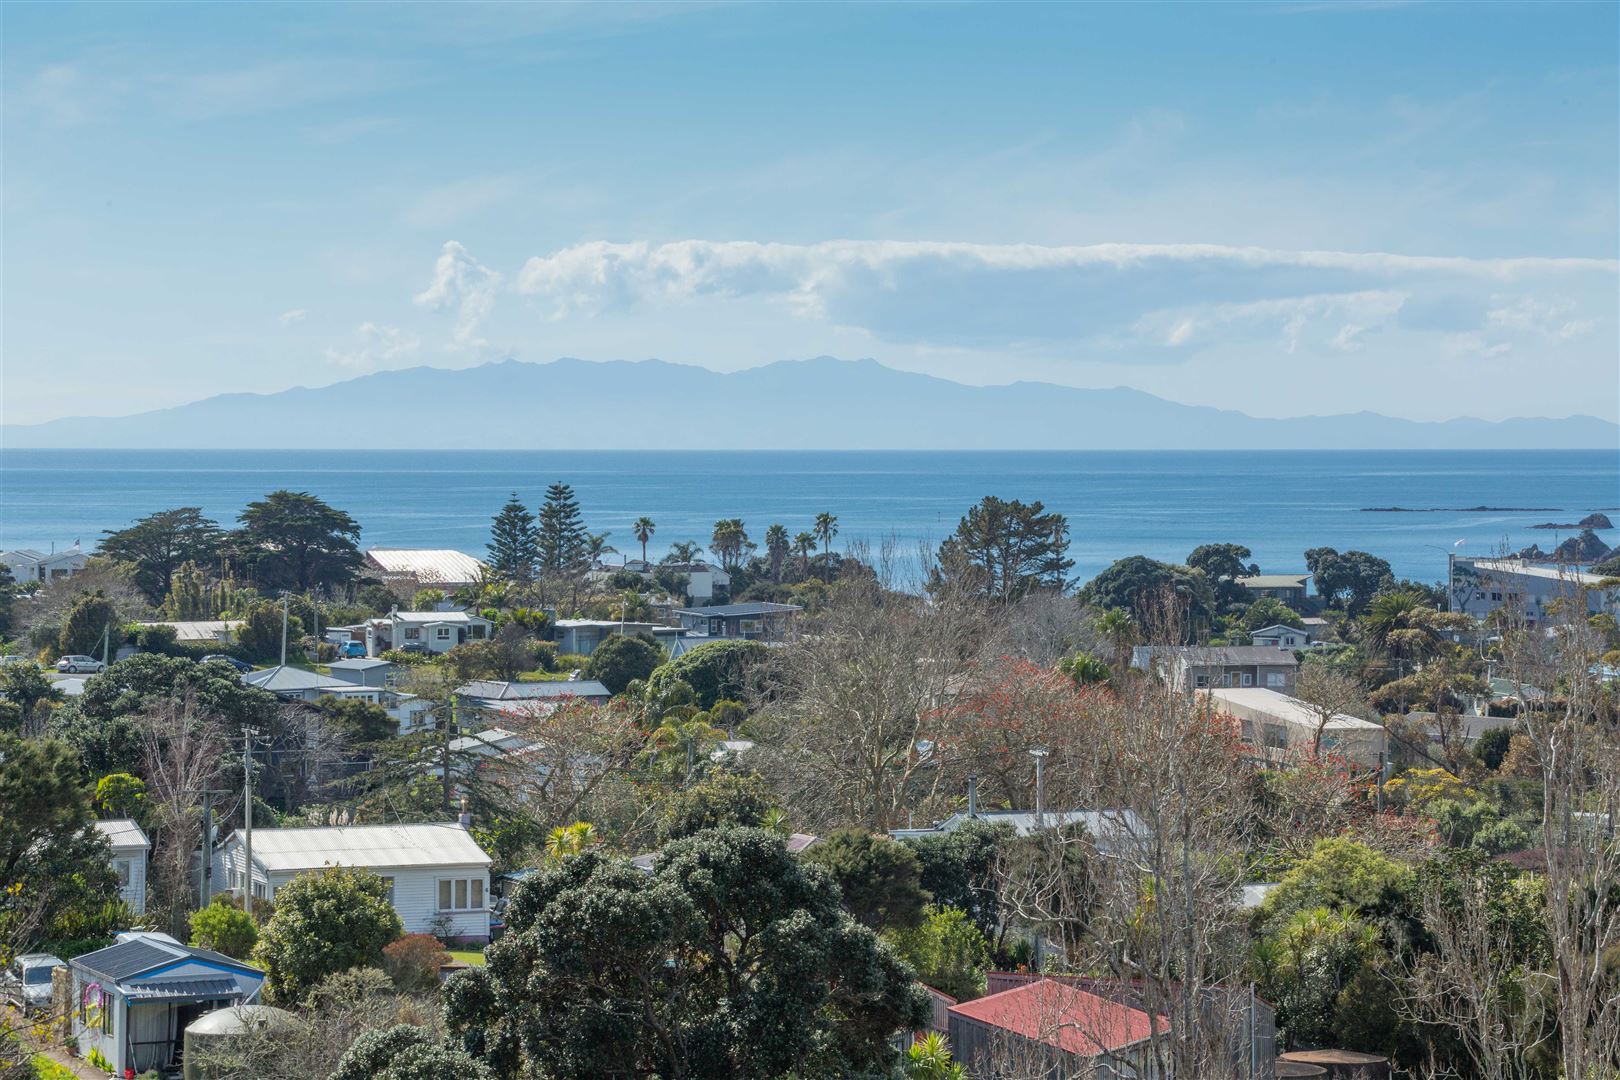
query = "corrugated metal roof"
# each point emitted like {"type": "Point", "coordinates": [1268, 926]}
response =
{"type": "Point", "coordinates": [1063, 1016]}
{"type": "Point", "coordinates": [183, 988]}
{"type": "Point", "coordinates": [123, 833]}
{"type": "Point", "coordinates": [493, 690]}
{"type": "Point", "coordinates": [1289, 710]}
{"type": "Point", "coordinates": [128, 958]}
{"type": "Point", "coordinates": [1274, 581]}
{"type": "Point", "coordinates": [428, 618]}
{"type": "Point", "coordinates": [429, 565]}
{"type": "Point", "coordinates": [279, 680]}
{"type": "Point", "coordinates": [432, 844]}
{"type": "Point", "coordinates": [200, 629]}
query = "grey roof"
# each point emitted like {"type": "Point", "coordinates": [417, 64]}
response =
{"type": "Point", "coordinates": [1105, 827]}
{"type": "Point", "coordinates": [1274, 581]}
{"type": "Point", "coordinates": [1230, 654]}
{"type": "Point", "coordinates": [123, 833]}
{"type": "Point", "coordinates": [183, 988]}
{"type": "Point", "coordinates": [753, 607]}
{"type": "Point", "coordinates": [359, 664]}
{"type": "Point", "coordinates": [493, 690]}
{"type": "Point", "coordinates": [282, 680]}
{"type": "Point", "coordinates": [127, 958]}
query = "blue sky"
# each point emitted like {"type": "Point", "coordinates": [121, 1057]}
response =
{"type": "Point", "coordinates": [1285, 209]}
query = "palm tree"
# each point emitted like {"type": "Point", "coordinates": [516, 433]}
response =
{"type": "Point", "coordinates": [644, 529]}
{"type": "Point", "coordinates": [1085, 669]}
{"type": "Point", "coordinates": [598, 546]}
{"type": "Point", "coordinates": [803, 544]}
{"type": "Point", "coordinates": [776, 548]}
{"type": "Point", "coordinates": [1403, 627]}
{"type": "Point", "coordinates": [566, 840]}
{"type": "Point", "coordinates": [680, 743]}
{"type": "Point", "coordinates": [826, 528]}
{"type": "Point", "coordinates": [929, 1058]}
{"type": "Point", "coordinates": [1119, 629]}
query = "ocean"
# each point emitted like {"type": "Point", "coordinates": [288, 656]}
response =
{"type": "Point", "coordinates": [1160, 504]}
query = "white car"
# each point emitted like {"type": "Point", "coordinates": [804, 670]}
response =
{"type": "Point", "coordinates": [15, 658]}
{"type": "Point", "coordinates": [26, 983]}
{"type": "Point", "coordinates": [80, 665]}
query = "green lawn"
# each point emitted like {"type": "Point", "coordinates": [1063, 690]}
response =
{"type": "Point", "coordinates": [468, 956]}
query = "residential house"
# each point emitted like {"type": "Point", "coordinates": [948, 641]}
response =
{"type": "Point", "coordinates": [1278, 726]}
{"type": "Point", "coordinates": [1045, 1028]}
{"type": "Point", "coordinates": [1291, 589]}
{"type": "Point", "coordinates": [1479, 587]}
{"type": "Point", "coordinates": [202, 631]}
{"type": "Point", "coordinates": [296, 684]}
{"type": "Point", "coordinates": [27, 565]}
{"type": "Point", "coordinates": [704, 581]}
{"type": "Point", "coordinates": [364, 671]}
{"type": "Point", "coordinates": [133, 1000]}
{"type": "Point", "coordinates": [1281, 637]}
{"type": "Point", "coordinates": [1202, 667]}
{"type": "Point", "coordinates": [425, 631]}
{"type": "Point", "coordinates": [412, 569]}
{"type": "Point", "coordinates": [756, 620]}
{"type": "Point", "coordinates": [130, 848]}
{"type": "Point", "coordinates": [493, 695]}
{"type": "Point", "coordinates": [582, 636]}
{"type": "Point", "coordinates": [1109, 830]}
{"type": "Point", "coordinates": [437, 875]}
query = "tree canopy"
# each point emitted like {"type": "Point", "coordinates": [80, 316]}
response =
{"type": "Point", "coordinates": [1002, 549]}
{"type": "Point", "coordinates": [715, 671]}
{"type": "Point", "coordinates": [514, 543]}
{"type": "Point", "coordinates": [563, 542]}
{"type": "Point", "coordinates": [1141, 585]}
{"type": "Point", "coordinates": [622, 659]}
{"type": "Point", "coordinates": [732, 960]}
{"type": "Point", "coordinates": [880, 879]}
{"type": "Point", "coordinates": [159, 544]}
{"type": "Point", "coordinates": [326, 921]}
{"type": "Point", "coordinates": [1349, 579]}
{"type": "Point", "coordinates": [296, 541]}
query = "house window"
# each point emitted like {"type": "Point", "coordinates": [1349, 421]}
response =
{"type": "Point", "coordinates": [1496, 596]}
{"type": "Point", "coordinates": [106, 1015]}
{"type": "Point", "coordinates": [443, 633]}
{"type": "Point", "coordinates": [1273, 679]}
{"type": "Point", "coordinates": [124, 871]}
{"type": "Point", "coordinates": [461, 894]}
{"type": "Point", "coordinates": [1248, 680]}
{"type": "Point", "coordinates": [1201, 681]}
{"type": "Point", "coordinates": [413, 633]}
{"type": "Point", "coordinates": [390, 883]}
{"type": "Point", "coordinates": [476, 633]}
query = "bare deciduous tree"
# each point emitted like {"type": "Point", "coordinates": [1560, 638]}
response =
{"type": "Point", "coordinates": [183, 754]}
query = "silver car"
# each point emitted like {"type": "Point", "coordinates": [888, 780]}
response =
{"type": "Point", "coordinates": [80, 665]}
{"type": "Point", "coordinates": [27, 982]}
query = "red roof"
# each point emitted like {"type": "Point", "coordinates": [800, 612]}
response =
{"type": "Point", "coordinates": [1072, 1020]}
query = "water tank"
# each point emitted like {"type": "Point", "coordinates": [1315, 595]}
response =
{"type": "Point", "coordinates": [1341, 1064]}
{"type": "Point", "coordinates": [1298, 1070]}
{"type": "Point", "coordinates": [221, 1026]}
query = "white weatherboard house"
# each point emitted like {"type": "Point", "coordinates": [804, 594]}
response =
{"type": "Point", "coordinates": [437, 874]}
{"type": "Point", "coordinates": [129, 850]}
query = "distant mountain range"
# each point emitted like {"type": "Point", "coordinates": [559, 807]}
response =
{"type": "Point", "coordinates": [805, 404]}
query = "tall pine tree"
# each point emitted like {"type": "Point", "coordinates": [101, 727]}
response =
{"type": "Point", "coordinates": [564, 543]}
{"type": "Point", "coordinates": [514, 543]}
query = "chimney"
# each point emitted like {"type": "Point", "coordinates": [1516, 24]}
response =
{"type": "Point", "coordinates": [465, 818]}
{"type": "Point", "coordinates": [973, 796]}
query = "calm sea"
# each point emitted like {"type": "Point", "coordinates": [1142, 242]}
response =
{"type": "Point", "coordinates": [1161, 504]}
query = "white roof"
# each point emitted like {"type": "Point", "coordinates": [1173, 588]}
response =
{"type": "Point", "coordinates": [123, 834]}
{"type": "Point", "coordinates": [200, 629]}
{"type": "Point", "coordinates": [22, 553]}
{"type": "Point", "coordinates": [431, 617]}
{"type": "Point", "coordinates": [1278, 628]}
{"type": "Point", "coordinates": [282, 851]}
{"type": "Point", "coordinates": [1524, 569]}
{"type": "Point", "coordinates": [429, 565]}
{"type": "Point", "coordinates": [1289, 710]}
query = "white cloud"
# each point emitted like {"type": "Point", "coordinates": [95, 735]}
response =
{"type": "Point", "coordinates": [372, 346]}
{"type": "Point", "coordinates": [1114, 296]}
{"type": "Point", "coordinates": [465, 285]}
{"type": "Point", "coordinates": [296, 315]}
{"type": "Point", "coordinates": [1547, 319]}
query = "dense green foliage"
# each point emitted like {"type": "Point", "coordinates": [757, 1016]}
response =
{"type": "Point", "coordinates": [1003, 548]}
{"type": "Point", "coordinates": [514, 543]}
{"type": "Point", "coordinates": [224, 927]}
{"type": "Point", "coordinates": [715, 671]}
{"type": "Point", "coordinates": [293, 540]}
{"type": "Point", "coordinates": [622, 659]}
{"type": "Point", "coordinates": [159, 544]}
{"type": "Point", "coordinates": [406, 1052]}
{"type": "Point", "coordinates": [879, 879]}
{"type": "Point", "coordinates": [326, 921]}
{"type": "Point", "coordinates": [732, 942]}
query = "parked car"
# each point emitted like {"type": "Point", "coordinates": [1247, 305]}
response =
{"type": "Point", "coordinates": [80, 665]}
{"type": "Point", "coordinates": [351, 650]}
{"type": "Point", "coordinates": [240, 665]}
{"type": "Point", "coordinates": [413, 647]}
{"type": "Point", "coordinates": [15, 658]}
{"type": "Point", "coordinates": [26, 982]}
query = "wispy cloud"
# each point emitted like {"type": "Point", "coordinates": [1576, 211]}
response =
{"type": "Point", "coordinates": [449, 204]}
{"type": "Point", "coordinates": [371, 346]}
{"type": "Point", "coordinates": [464, 285]}
{"type": "Point", "coordinates": [296, 315]}
{"type": "Point", "coordinates": [1145, 296]}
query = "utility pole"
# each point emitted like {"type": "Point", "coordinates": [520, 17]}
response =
{"type": "Point", "coordinates": [208, 843]}
{"type": "Point", "coordinates": [248, 736]}
{"type": "Point", "coordinates": [284, 604]}
{"type": "Point", "coordinates": [106, 641]}
{"type": "Point", "coordinates": [1039, 754]}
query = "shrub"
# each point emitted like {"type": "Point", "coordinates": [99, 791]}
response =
{"type": "Point", "coordinates": [620, 660]}
{"type": "Point", "coordinates": [224, 927]}
{"type": "Point", "coordinates": [715, 672]}
{"type": "Point", "coordinates": [325, 922]}
{"type": "Point", "coordinates": [413, 962]}
{"type": "Point", "coordinates": [947, 951]}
